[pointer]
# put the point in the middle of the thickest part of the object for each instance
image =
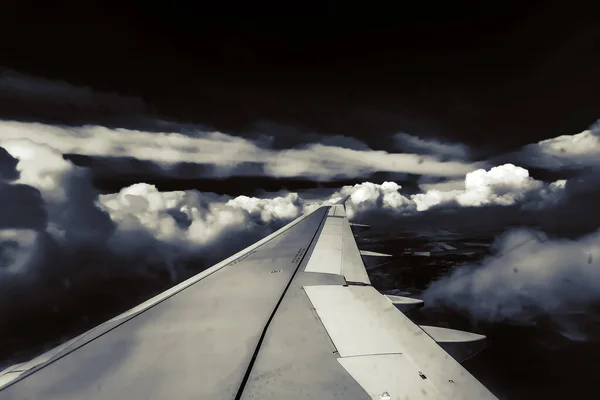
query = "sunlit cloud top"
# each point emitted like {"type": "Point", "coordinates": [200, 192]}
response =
{"type": "Point", "coordinates": [318, 161]}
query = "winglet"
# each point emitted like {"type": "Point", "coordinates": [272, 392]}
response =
{"type": "Point", "coordinates": [342, 200]}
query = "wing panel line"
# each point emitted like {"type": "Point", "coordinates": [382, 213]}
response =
{"type": "Point", "coordinates": [264, 332]}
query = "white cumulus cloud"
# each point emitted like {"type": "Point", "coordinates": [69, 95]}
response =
{"type": "Point", "coordinates": [368, 196]}
{"type": "Point", "coordinates": [502, 185]}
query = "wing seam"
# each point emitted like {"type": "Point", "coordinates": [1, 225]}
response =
{"type": "Point", "coordinates": [264, 332]}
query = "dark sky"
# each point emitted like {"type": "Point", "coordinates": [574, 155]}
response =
{"type": "Point", "coordinates": [494, 76]}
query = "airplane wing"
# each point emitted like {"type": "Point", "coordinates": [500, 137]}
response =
{"type": "Point", "coordinates": [292, 316]}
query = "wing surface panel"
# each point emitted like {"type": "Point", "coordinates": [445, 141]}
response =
{"type": "Point", "coordinates": [353, 267]}
{"type": "Point", "coordinates": [297, 360]}
{"type": "Point", "coordinates": [394, 372]}
{"type": "Point", "coordinates": [362, 322]}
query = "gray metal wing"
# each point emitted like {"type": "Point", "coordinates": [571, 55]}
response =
{"type": "Point", "coordinates": [292, 316]}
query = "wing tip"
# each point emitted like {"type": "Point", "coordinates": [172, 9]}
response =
{"type": "Point", "coordinates": [342, 200]}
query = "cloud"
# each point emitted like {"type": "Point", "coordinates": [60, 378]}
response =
{"type": "Point", "coordinates": [563, 152]}
{"type": "Point", "coordinates": [327, 161]}
{"type": "Point", "coordinates": [502, 185]}
{"type": "Point", "coordinates": [39, 166]}
{"type": "Point", "coordinates": [281, 136]}
{"type": "Point", "coordinates": [54, 197]}
{"type": "Point", "coordinates": [492, 200]}
{"type": "Point", "coordinates": [445, 185]}
{"type": "Point", "coordinates": [529, 277]}
{"type": "Point", "coordinates": [18, 250]}
{"type": "Point", "coordinates": [368, 196]}
{"type": "Point", "coordinates": [196, 220]}
{"type": "Point", "coordinates": [8, 166]}
{"type": "Point", "coordinates": [226, 152]}
{"type": "Point", "coordinates": [22, 207]}
{"type": "Point", "coordinates": [26, 96]}
{"type": "Point", "coordinates": [65, 190]}
{"type": "Point", "coordinates": [415, 144]}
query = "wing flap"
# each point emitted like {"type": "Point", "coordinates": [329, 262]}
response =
{"type": "Point", "coordinates": [362, 322]}
{"type": "Point", "coordinates": [389, 377]}
{"type": "Point", "coordinates": [353, 267]}
{"type": "Point", "coordinates": [347, 314]}
{"type": "Point", "coordinates": [336, 251]}
{"type": "Point", "coordinates": [297, 360]}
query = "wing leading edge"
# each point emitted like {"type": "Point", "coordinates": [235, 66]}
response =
{"type": "Point", "coordinates": [292, 316]}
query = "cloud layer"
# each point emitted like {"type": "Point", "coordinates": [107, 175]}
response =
{"type": "Point", "coordinates": [415, 144]}
{"type": "Point", "coordinates": [576, 151]}
{"type": "Point", "coordinates": [25, 96]}
{"type": "Point", "coordinates": [228, 153]}
{"type": "Point", "coordinates": [57, 199]}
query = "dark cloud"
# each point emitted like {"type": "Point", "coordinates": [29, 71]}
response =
{"type": "Point", "coordinates": [22, 207]}
{"type": "Point", "coordinates": [8, 166]}
{"type": "Point", "coordinates": [32, 98]}
{"type": "Point", "coordinates": [280, 136]}
{"type": "Point", "coordinates": [440, 148]}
